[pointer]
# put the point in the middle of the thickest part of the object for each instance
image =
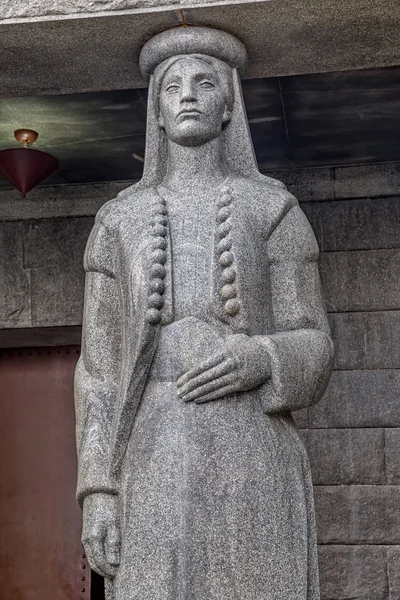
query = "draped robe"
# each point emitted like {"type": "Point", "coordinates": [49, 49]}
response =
{"type": "Point", "coordinates": [215, 499]}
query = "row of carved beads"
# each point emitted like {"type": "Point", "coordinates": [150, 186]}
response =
{"type": "Point", "coordinates": [158, 230]}
{"type": "Point", "coordinates": [228, 288]}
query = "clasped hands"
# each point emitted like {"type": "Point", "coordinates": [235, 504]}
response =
{"type": "Point", "coordinates": [243, 364]}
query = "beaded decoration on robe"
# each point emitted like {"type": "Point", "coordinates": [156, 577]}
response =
{"type": "Point", "coordinates": [159, 231]}
{"type": "Point", "coordinates": [228, 289]}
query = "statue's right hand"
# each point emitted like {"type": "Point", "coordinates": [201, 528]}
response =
{"type": "Point", "coordinates": [101, 533]}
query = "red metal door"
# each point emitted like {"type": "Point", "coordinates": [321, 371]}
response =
{"type": "Point", "coordinates": [41, 557]}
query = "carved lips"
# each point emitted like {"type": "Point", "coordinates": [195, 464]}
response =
{"type": "Point", "coordinates": [188, 113]}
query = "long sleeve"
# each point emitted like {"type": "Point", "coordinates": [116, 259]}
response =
{"type": "Point", "coordinates": [301, 349]}
{"type": "Point", "coordinates": [96, 376]}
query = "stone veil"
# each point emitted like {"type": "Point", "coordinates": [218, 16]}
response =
{"type": "Point", "coordinates": [204, 328]}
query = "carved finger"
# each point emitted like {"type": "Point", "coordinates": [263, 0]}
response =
{"type": "Point", "coordinates": [214, 373]}
{"type": "Point", "coordinates": [94, 549]}
{"type": "Point", "coordinates": [210, 362]}
{"type": "Point", "coordinates": [211, 386]}
{"type": "Point", "coordinates": [113, 542]}
{"type": "Point", "coordinates": [217, 394]}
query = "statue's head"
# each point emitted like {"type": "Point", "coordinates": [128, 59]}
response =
{"type": "Point", "coordinates": [193, 98]}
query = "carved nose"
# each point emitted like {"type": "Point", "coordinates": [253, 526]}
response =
{"type": "Point", "coordinates": [187, 93]}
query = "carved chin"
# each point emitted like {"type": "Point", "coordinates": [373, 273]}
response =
{"type": "Point", "coordinates": [190, 132]}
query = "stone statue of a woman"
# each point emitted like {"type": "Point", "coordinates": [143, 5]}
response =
{"type": "Point", "coordinates": [204, 327]}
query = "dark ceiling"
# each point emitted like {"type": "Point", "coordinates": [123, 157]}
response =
{"type": "Point", "coordinates": [301, 121]}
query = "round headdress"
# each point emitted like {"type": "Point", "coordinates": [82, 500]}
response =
{"type": "Point", "coordinates": [192, 40]}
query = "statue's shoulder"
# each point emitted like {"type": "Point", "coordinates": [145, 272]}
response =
{"type": "Point", "coordinates": [129, 202]}
{"type": "Point", "coordinates": [265, 196]}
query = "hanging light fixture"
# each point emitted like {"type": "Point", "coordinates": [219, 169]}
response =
{"type": "Point", "coordinates": [25, 168]}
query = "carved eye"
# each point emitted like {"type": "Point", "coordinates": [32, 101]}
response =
{"type": "Point", "coordinates": [206, 85]}
{"type": "Point", "coordinates": [172, 88]}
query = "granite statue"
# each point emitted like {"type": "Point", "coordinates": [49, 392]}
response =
{"type": "Point", "coordinates": [204, 328]}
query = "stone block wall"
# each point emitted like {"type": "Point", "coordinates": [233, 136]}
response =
{"type": "Point", "coordinates": [353, 434]}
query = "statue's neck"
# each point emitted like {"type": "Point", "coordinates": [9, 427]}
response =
{"type": "Point", "coordinates": [195, 167]}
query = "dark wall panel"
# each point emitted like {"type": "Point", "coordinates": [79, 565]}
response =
{"type": "Point", "coordinates": [41, 557]}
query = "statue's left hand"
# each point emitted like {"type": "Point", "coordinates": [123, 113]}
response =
{"type": "Point", "coordinates": [101, 535]}
{"type": "Point", "coordinates": [243, 364]}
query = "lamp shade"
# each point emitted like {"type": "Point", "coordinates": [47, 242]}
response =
{"type": "Point", "coordinates": [25, 168]}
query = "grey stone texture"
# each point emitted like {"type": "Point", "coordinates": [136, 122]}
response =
{"type": "Point", "coordinates": [73, 55]}
{"type": "Point", "coordinates": [57, 202]}
{"type": "Point", "coordinates": [358, 514]}
{"type": "Point", "coordinates": [14, 291]}
{"type": "Point", "coordinates": [359, 399]}
{"type": "Point", "coordinates": [42, 274]}
{"type": "Point", "coordinates": [187, 376]}
{"type": "Point", "coordinates": [53, 253]}
{"type": "Point", "coordinates": [56, 242]}
{"type": "Point", "coordinates": [28, 9]}
{"type": "Point", "coordinates": [354, 572]}
{"type": "Point", "coordinates": [305, 25]}
{"type": "Point", "coordinates": [392, 445]}
{"type": "Point", "coordinates": [366, 340]}
{"type": "Point", "coordinates": [91, 46]}
{"type": "Point", "coordinates": [356, 224]}
{"type": "Point", "coordinates": [393, 571]}
{"type": "Point", "coordinates": [308, 185]}
{"type": "Point", "coordinates": [344, 183]}
{"type": "Point", "coordinates": [301, 418]}
{"type": "Point", "coordinates": [346, 456]}
{"type": "Point", "coordinates": [361, 280]}
{"type": "Point", "coordinates": [56, 292]}
{"type": "Point", "coordinates": [367, 181]}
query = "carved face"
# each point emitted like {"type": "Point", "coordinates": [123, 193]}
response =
{"type": "Point", "coordinates": [192, 103]}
